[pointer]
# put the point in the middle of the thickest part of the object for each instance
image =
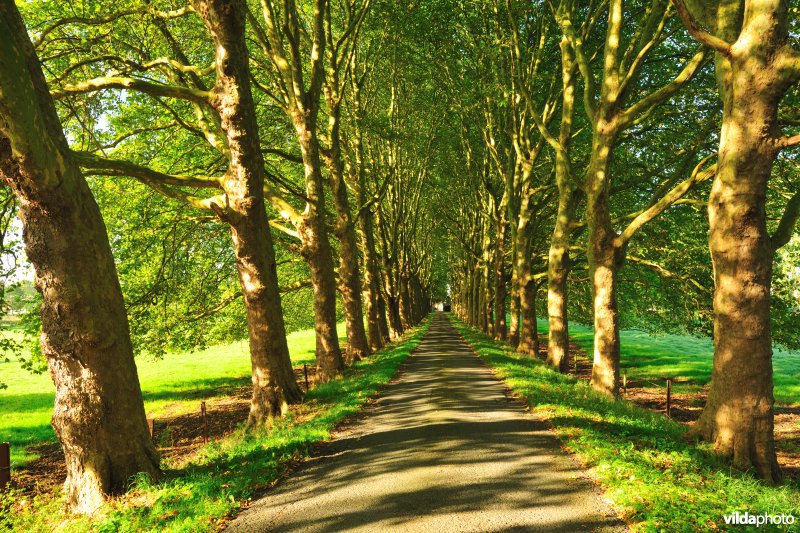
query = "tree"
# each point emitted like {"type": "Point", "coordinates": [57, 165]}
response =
{"type": "Point", "coordinates": [756, 67]}
{"type": "Point", "coordinates": [99, 414]}
{"type": "Point", "coordinates": [274, 386]}
{"type": "Point", "coordinates": [226, 122]}
{"type": "Point", "coordinates": [610, 113]}
{"type": "Point", "coordinates": [297, 84]}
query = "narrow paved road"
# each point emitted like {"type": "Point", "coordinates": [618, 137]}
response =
{"type": "Point", "coordinates": [443, 449]}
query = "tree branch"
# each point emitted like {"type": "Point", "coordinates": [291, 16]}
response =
{"type": "Point", "coordinates": [666, 201]}
{"type": "Point", "coordinates": [646, 104]}
{"type": "Point", "coordinates": [117, 167]}
{"type": "Point", "coordinates": [120, 82]}
{"type": "Point", "coordinates": [783, 233]}
{"type": "Point", "coordinates": [699, 34]}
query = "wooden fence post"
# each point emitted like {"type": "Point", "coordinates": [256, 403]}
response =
{"type": "Point", "coordinates": [5, 464]}
{"type": "Point", "coordinates": [669, 398]}
{"type": "Point", "coordinates": [205, 422]}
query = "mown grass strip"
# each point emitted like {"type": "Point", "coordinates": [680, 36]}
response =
{"type": "Point", "coordinates": [227, 473]}
{"type": "Point", "coordinates": [656, 480]}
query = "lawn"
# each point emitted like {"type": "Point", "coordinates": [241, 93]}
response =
{"type": "Point", "coordinates": [656, 481]}
{"type": "Point", "coordinates": [686, 359]}
{"type": "Point", "coordinates": [176, 382]}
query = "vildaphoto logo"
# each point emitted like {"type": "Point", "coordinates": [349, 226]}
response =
{"type": "Point", "coordinates": [747, 519]}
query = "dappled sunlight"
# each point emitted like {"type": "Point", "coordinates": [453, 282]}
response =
{"type": "Point", "coordinates": [443, 445]}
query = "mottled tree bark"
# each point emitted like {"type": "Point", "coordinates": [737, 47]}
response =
{"type": "Point", "coordinates": [349, 276]}
{"type": "Point", "coordinates": [274, 386]}
{"type": "Point", "coordinates": [389, 286]}
{"type": "Point", "coordinates": [513, 327]}
{"type": "Point", "coordinates": [755, 69]}
{"type": "Point", "coordinates": [558, 265]}
{"type": "Point", "coordinates": [383, 325]}
{"type": "Point", "coordinates": [98, 415]}
{"type": "Point", "coordinates": [499, 328]}
{"type": "Point", "coordinates": [603, 265]}
{"type": "Point", "coordinates": [528, 335]}
{"type": "Point", "coordinates": [376, 315]}
{"type": "Point", "coordinates": [404, 302]}
{"type": "Point", "coordinates": [316, 250]}
{"type": "Point", "coordinates": [488, 297]}
{"type": "Point", "coordinates": [377, 330]}
{"type": "Point", "coordinates": [525, 286]}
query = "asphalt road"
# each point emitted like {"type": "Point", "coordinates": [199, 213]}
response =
{"type": "Point", "coordinates": [443, 449]}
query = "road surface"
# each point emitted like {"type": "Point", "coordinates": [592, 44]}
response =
{"type": "Point", "coordinates": [442, 449]}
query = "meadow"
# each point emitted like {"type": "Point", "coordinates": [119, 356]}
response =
{"type": "Point", "coordinates": [175, 382]}
{"type": "Point", "coordinates": [685, 359]}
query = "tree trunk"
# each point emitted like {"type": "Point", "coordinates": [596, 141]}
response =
{"type": "Point", "coordinates": [738, 416]}
{"type": "Point", "coordinates": [525, 287]}
{"type": "Point", "coordinates": [350, 279]}
{"type": "Point", "coordinates": [377, 330]}
{"type": "Point", "coordinates": [383, 325]}
{"type": "Point", "coordinates": [603, 265]}
{"type": "Point", "coordinates": [99, 415]}
{"type": "Point", "coordinates": [274, 385]}
{"type": "Point", "coordinates": [529, 335]}
{"type": "Point", "coordinates": [473, 295]}
{"type": "Point", "coordinates": [406, 318]}
{"type": "Point", "coordinates": [557, 273]}
{"type": "Point", "coordinates": [488, 299]}
{"type": "Point", "coordinates": [349, 275]}
{"type": "Point", "coordinates": [393, 314]}
{"type": "Point", "coordinates": [375, 314]}
{"type": "Point", "coordinates": [513, 329]}
{"type": "Point", "coordinates": [558, 265]}
{"type": "Point", "coordinates": [316, 250]}
{"type": "Point", "coordinates": [500, 331]}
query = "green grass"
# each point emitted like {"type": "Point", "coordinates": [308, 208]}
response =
{"type": "Point", "coordinates": [230, 471]}
{"type": "Point", "coordinates": [686, 359]}
{"type": "Point", "coordinates": [657, 481]}
{"type": "Point", "coordinates": [175, 382]}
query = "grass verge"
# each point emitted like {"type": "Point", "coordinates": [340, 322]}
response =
{"type": "Point", "coordinates": [226, 473]}
{"type": "Point", "coordinates": [656, 480]}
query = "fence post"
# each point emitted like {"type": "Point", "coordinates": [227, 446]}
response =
{"type": "Point", "coordinates": [151, 423]}
{"type": "Point", "coordinates": [5, 464]}
{"type": "Point", "coordinates": [625, 382]}
{"type": "Point", "coordinates": [669, 398]}
{"type": "Point", "coordinates": [205, 422]}
{"type": "Point", "coordinates": [305, 373]}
